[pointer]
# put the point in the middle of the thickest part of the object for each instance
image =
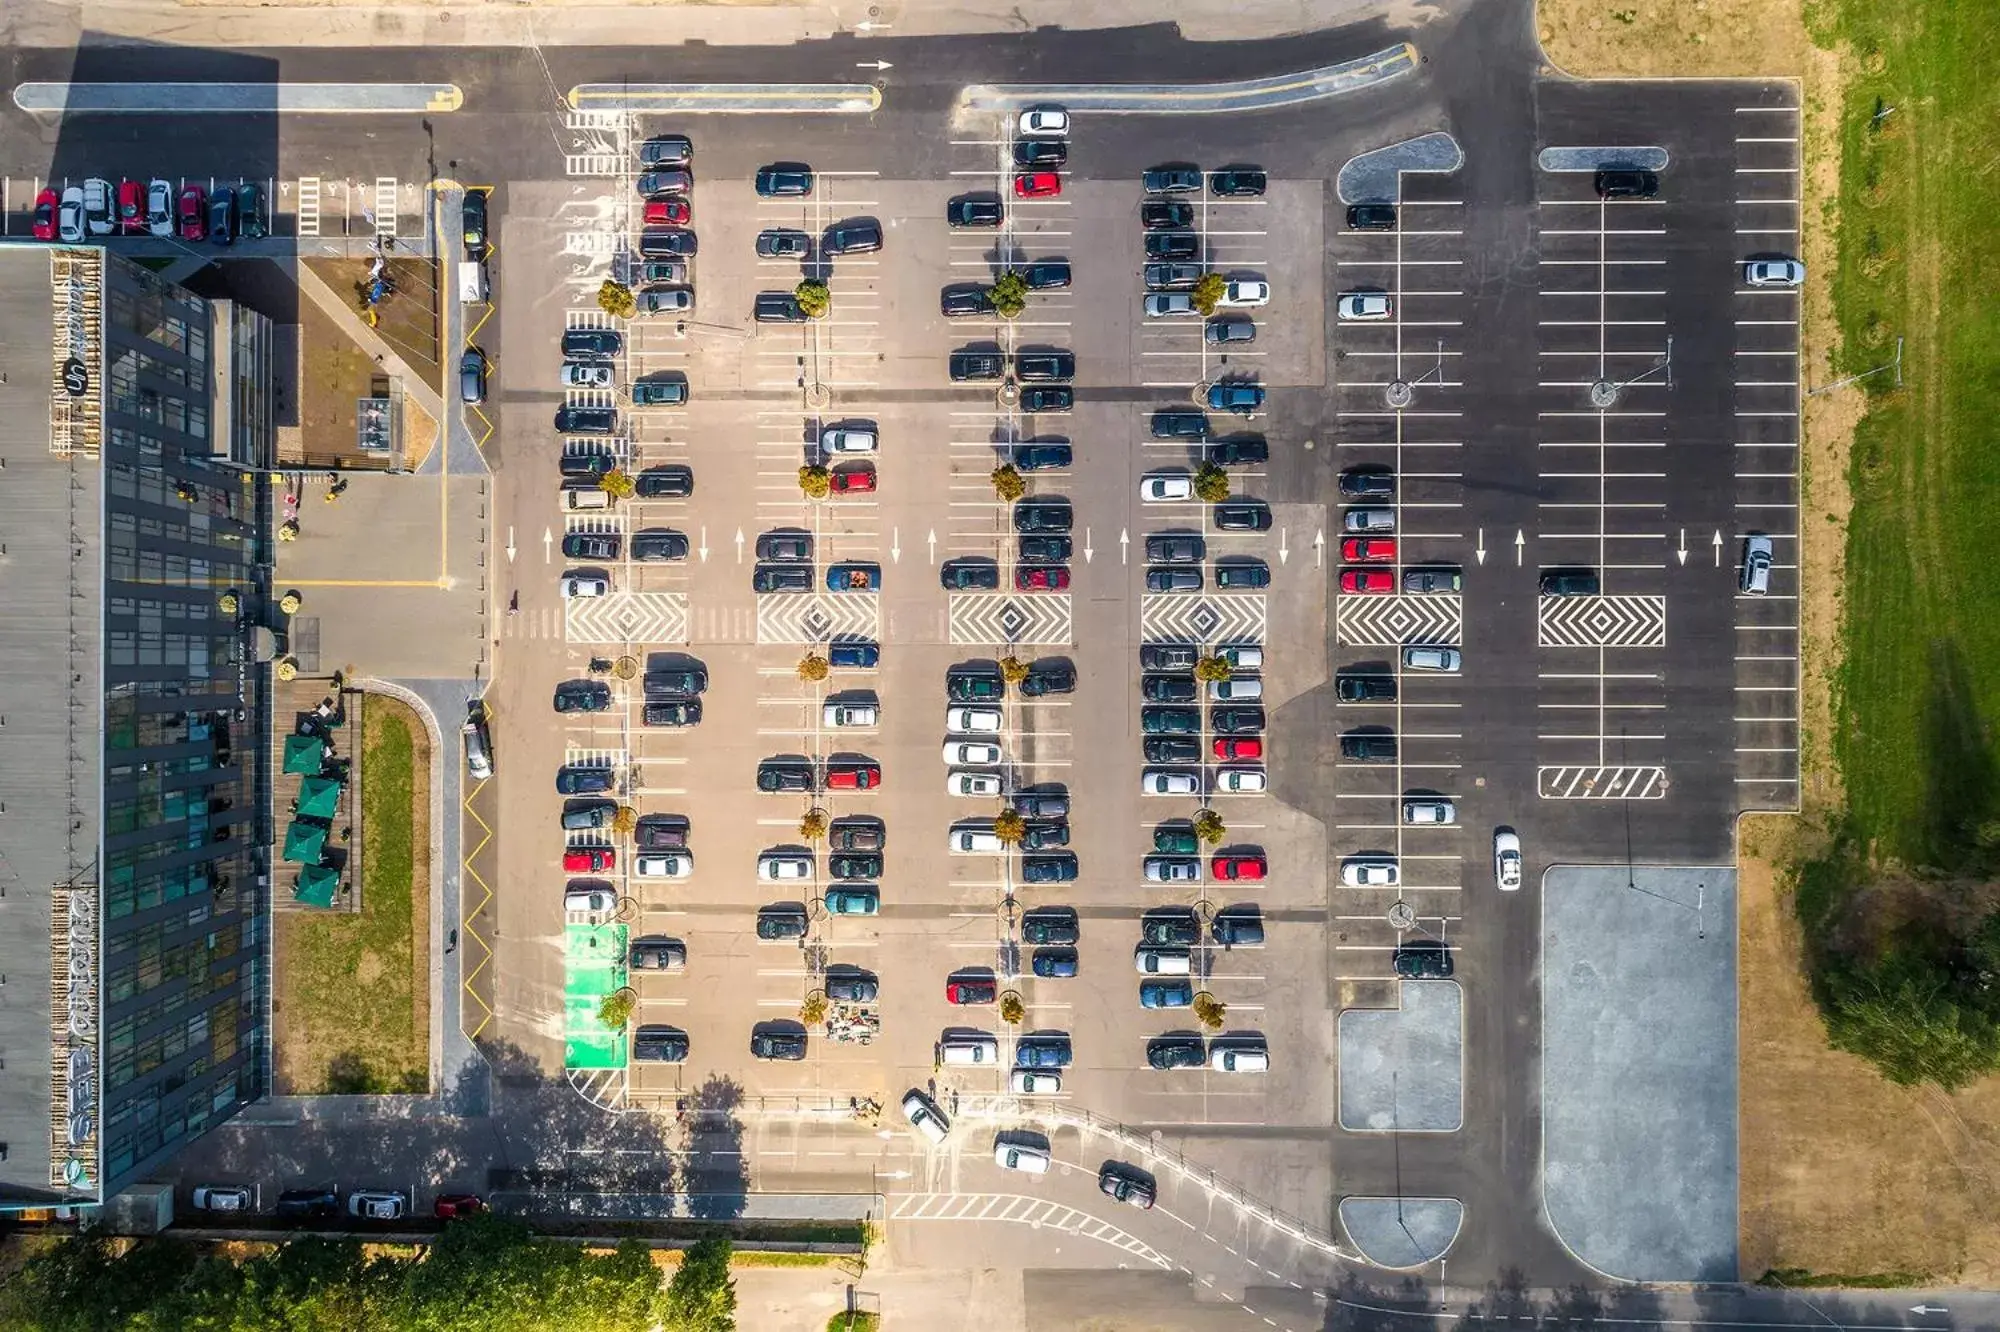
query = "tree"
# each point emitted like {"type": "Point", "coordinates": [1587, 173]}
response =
{"type": "Point", "coordinates": [617, 483]}
{"type": "Point", "coordinates": [813, 297]}
{"type": "Point", "coordinates": [616, 1010]}
{"type": "Point", "coordinates": [1007, 483]}
{"type": "Point", "coordinates": [1013, 670]}
{"type": "Point", "coordinates": [1009, 294]}
{"type": "Point", "coordinates": [1208, 826]}
{"type": "Point", "coordinates": [813, 826]}
{"type": "Point", "coordinates": [1009, 827]}
{"type": "Point", "coordinates": [815, 481]}
{"type": "Point", "coordinates": [702, 1296]}
{"type": "Point", "coordinates": [813, 667]}
{"type": "Point", "coordinates": [1212, 668]}
{"type": "Point", "coordinates": [1208, 292]}
{"type": "Point", "coordinates": [1012, 1010]}
{"type": "Point", "coordinates": [812, 1008]}
{"type": "Point", "coordinates": [1211, 484]}
{"type": "Point", "coordinates": [1209, 1010]}
{"type": "Point", "coordinates": [616, 299]}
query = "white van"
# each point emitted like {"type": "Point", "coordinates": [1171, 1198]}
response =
{"type": "Point", "coordinates": [976, 839]}
{"type": "Point", "coordinates": [1236, 690]}
{"type": "Point", "coordinates": [585, 497]}
{"type": "Point", "coordinates": [968, 1048]}
{"type": "Point", "coordinates": [1224, 1058]}
{"type": "Point", "coordinates": [1162, 961]}
{"type": "Point", "coordinates": [471, 283]}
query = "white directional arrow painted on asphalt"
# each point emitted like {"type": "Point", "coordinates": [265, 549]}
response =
{"type": "Point", "coordinates": [896, 544]}
{"type": "Point", "coordinates": [1718, 548]}
{"type": "Point", "coordinates": [1319, 548]}
{"type": "Point", "coordinates": [1520, 544]}
{"type": "Point", "coordinates": [510, 544]}
{"type": "Point", "coordinates": [873, 64]}
{"type": "Point", "coordinates": [1921, 1309]}
{"type": "Point", "coordinates": [1088, 550]}
{"type": "Point", "coordinates": [870, 25]}
{"type": "Point", "coordinates": [704, 543]}
{"type": "Point", "coordinates": [1124, 546]}
{"type": "Point", "coordinates": [1479, 551]}
{"type": "Point", "coordinates": [1284, 550]}
{"type": "Point", "coordinates": [739, 545]}
{"type": "Point", "coordinates": [931, 541]}
{"type": "Point", "coordinates": [1682, 553]}
{"type": "Point", "coordinates": [548, 541]}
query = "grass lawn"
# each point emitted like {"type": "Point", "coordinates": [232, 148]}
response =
{"type": "Point", "coordinates": [354, 997]}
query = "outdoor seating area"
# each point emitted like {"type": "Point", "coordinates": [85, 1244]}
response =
{"type": "Point", "coordinates": [316, 783]}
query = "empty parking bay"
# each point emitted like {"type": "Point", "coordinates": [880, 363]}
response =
{"type": "Point", "coordinates": [1402, 1070]}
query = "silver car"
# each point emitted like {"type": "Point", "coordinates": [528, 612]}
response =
{"type": "Point", "coordinates": [1773, 273]}
{"type": "Point", "coordinates": [1368, 520]}
{"type": "Point", "coordinates": [1444, 660]}
{"type": "Point", "coordinates": [1365, 305]}
{"type": "Point", "coordinates": [1756, 580]}
{"type": "Point", "coordinates": [1429, 810]}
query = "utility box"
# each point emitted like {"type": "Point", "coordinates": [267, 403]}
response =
{"type": "Point", "coordinates": [143, 1209]}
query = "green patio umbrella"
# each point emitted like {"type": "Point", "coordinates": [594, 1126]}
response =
{"type": "Point", "coordinates": [304, 842]}
{"type": "Point", "coordinates": [305, 754]}
{"type": "Point", "coordinates": [319, 798]}
{"type": "Point", "coordinates": [316, 886]}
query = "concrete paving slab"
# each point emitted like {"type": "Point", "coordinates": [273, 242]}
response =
{"type": "Point", "coordinates": [1402, 1232]}
{"type": "Point", "coordinates": [1403, 1069]}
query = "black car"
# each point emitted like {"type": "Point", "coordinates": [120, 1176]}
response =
{"type": "Point", "coordinates": [659, 544]}
{"type": "Point", "coordinates": [1169, 721]}
{"type": "Point", "coordinates": [857, 832]}
{"type": "Point", "coordinates": [1051, 867]}
{"type": "Point", "coordinates": [1165, 215]}
{"type": "Point", "coordinates": [1047, 274]}
{"type": "Point", "coordinates": [785, 180]}
{"type": "Point", "coordinates": [1168, 688]}
{"type": "Point", "coordinates": [1048, 548]}
{"type": "Point", "coordinates": [861, 235]}
{"type": "Point", "coordinates": [222, 217]}
{"type": "Point", "coordinates": [1367, 483]}
{"type": "Point", "coordinates": [1242, 516]}
{"type": "Point", "coordinates": [661, 832]}
{"type": "Point", "coordinates": [788, 1045]}
{"type": "Point", "coordinates": [969, 575]}
{"type": "Point", "coordinates": [676, 682]}
{"type": "Point", "coordinates": [1126, 1184]}
{"type": "Point", "coordinates": [1238, 927]}
{"type": "Point", "coordinates": [586, 420]}
{"type": "Point", "coordinates": [575, 780]}
{"type": "Point", "coordinates": [1229, 329]}
{"type": "Point", "coordinates": [666, 150]}
{"type": "Point", "coordinates": [1168, 656]}
{"type": "Point", "coordinates": [305, 1204]}
{"type": "Point", "coordinates": [1041, 804]}
{"type": "Point", "coordinates": [1626, 183]}
{"type": "Point", "coordinates": [1045, 366]}
{"type": "Point", "coordinates": [1048, 677]}
{"type": "Point", "coordinates": [782, 578]}
{"type": "Point", "coordinates": [582, 696]}
{"type": "Point", "coordinates": [250, 213]}
{"type": "Point", "coordinates": [1174, 178]}
{"type": "Point", "coordinates": [1241, 451]}
{"type": "Point", "coordinates": [589, 546]}
{"type": "Point", "coordinates": [1172, 749]}
{"type": "Point", "coordinates": [1174, 927]}
{"type": "Point", "coordinates": [778, 307]}
{"type": "Point", "coordinates": [582, 815]}
{"type": "Point", "coordinates": [975, 210]}
{"type": "Point", "coordinates": [1422, 959]}
{"type": "Point", "coordinates": [658, 1043]}
{"type": "Point", "coordinates": [1173, 580]}
{"type": "Point", "coordinates": [852, 987]}
{"type": "Point", "coordinates": [679, 712]}
{"type": "Point", "coordinates": [1237, 183]}
{"type": "Point", "coordinates": [1173, 245]}
{"type": "Point", "coordinates": [1570, 583]}
{"type": "Point", "coordinates": [1179, 425]}
{"type": "Point", "coordinates": [665, 390]}
{"type": "Point", "coordinates": [1176, 547]}
{"type": "Point", "coordinates": [1054, 963]}
{"type": "Point", "coordinates": [1243, 574]}
{"type": "Point", "coordinates": [1241, 720]}
{"type": "Point", "coordinates": [656, 952]}
{"type": "Point", "coordinates": [785, 547]}
{"type": "Point", "coordinates": [781, 923]}
{"type": "Point", "coordinates": [1433, 578]}
{"type": "Point", "coordinates": [854, 866]}
{"type": "Point", "coordinates": [1050, 925]}
{"type": "Point", "coordinates": [964, 300]}
{"type": "Point", "coordinates": [1172, 277]}
{"type": "Point", "coordinates": [586, 464]}
{"type": "Point", "coordinates": [659, 184]}
{"type": "Point", "coordinates": [1170, 1052]}
{"type": "Point", "coordinates": [1048, 398]}
{"type": "Point", "coordinates": [671, 482]}
{"type": "Point", "coordinates": [1368, 747]}
{"type": "Point", "coordinates": [667, 243]}
{"type": "Point", "coordinates": [1043, 515]}
{"type": "Point", "coordinates": [972, 366]}
{"type": "Point", "coordinates": [1040, 152]}
{"type": "Point", "coordinates": [1039, 454]}
{"type": "Point", "coordinates": [1044, 834]}
{"type": "Point", "coordinates": [472, 376]}
{"type": "Point", "coordinates": [1371, 217]}
{"type": "Point", "coordinates": [783, 243]}
{"type": "Point", "coordinates": [584, 344]}
{"type": "Point", "coordinates": [974, 686]}
{"type": "Point", "coordinates": [779, 775]}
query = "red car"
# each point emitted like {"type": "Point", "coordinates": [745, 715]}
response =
{"type": "Point", "coordinates": [1037, 185]}
{"type": "Point", "coordinates": [1238, 867]}
{"type": "Point", "coordinates": [1041, 578]}
{"type": "Point", "coordinates": [1368, 550]}
{"type": "Point", "coordinates": [451, 1205]}
{"type": "Point", "coordinates": [854, 777]}
{"type": "Point", "coordinates": [667, 212]}
{"type": "Point", "coordinates": [854, 481]}
{"type": "Point", "coordinates": [1238, 747]}
{"type": "Point", "coordinates": [968, 991]}
{"type": "Point", "coordinates": [588, 860]}
{"type": "Point", "coordinates": [131, 206]}
{"type": "Point", "coordinates": [46, 204]}
{"type": "Point", "coordinates": [193, 213]}
{"type": "Point", "coordinates": [1367, 580]}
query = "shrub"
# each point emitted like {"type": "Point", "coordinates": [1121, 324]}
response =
{"type": "Point", "coordinates": [1009, 826]}
{"type": "Point", "coordinates": [1007, 483]}
{"type": "Point", "coordinates": [1013, 670]}
{"type": "Point", "coordinates": [1208, 826]}
{"type": "Point", "coordinates": [813, 667]}
{"type": "Point", "coordinates": [813, 826]}
{"type": "Point", "coordinates": [616, 1010]}
{"type": "Point", "coordinates": [1211, 484]}
{"type": "Point", "coordinates": [1209, 1010]}
{"type": "Point", "coordinates": [813, 297]}
{"type": "Point", "coordinates": [1212, 668]}
{"type": "Point", "coordinates": [815, 481]}
{"type": "Point", "coordinates": [812, 1009]}
{"type": "Point", "coordinates": [617, 483]}
{"type": "Point", "coordinates": [1207, 292]}
{"type": "Point", "coordinates": [1012, 1010]}
{"type": "Point", "coordinates": [616, 299]}
{"type": "Point", "coordinates": [1009, 294]}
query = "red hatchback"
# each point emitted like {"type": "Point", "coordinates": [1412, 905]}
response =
{"type": "Point", "coordinates": [854, 481]}
{"type": "Point", "coordinates": [193, 214]}
{"type": "Point", "coordinates": [1368, 550]}
{"type": "Point", "coordinates": [853, 777]}
{"type": "Point", "coordinates": [1037, 185]}
{"type": "Point", "coordinates": [1229, 747]}
{"type": "Point", "coordinates": [451, 1205]}
{"type": "Point", "coordinates": [588, 860]}
{"type": "Point", "coordinates": [46, 204]}
{"type": "Point", "coordinates": [1041, 578]}
{"type": "Point", "coordinates": [1238, 867]}
{"type": "Point", "coordinates": [1367, 580]}
{"type": "Point", "coordinates": [968, 991]}
{"type": "Point", "coordinates": [131, 206]}
{"type": "Point", "coordinates": [668, 212]}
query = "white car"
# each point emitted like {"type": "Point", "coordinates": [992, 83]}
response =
{"type": "Point", "coordinates": [586, 374]}
{"type": "Point", "coordinates": [1507, 860]}
{"type": "Point", "coordinates": [973, 721]}
{"type": "Point", "coordinates": [976, 752]}
{"type": "Point", "coordinates": [1365, 305]}
{"type": "Point", "coordinates": [1370, 872]}
{"type": "Point", "coordinates": [585, 585]}
{"type": "Point", "coordinates": [1243, 295]}
{"type": "Point", "coordinates": [210, 1198]}
{"type": "Point", "coordinates": [1031, 1082]}
{"type": "Point", "coordinates": [672, 865]}
{"type": "Point", "coordinates": [925, 1117]}
{"type": "Point", "coordinates": [839, 439]}
{"type": "Point", "coordinates": [779, 866]}
{"type": "Point", "coordinates": [848, 714]}
{"type": "Point", "coordinates": [160, 208]}
{"type": "Point", "coordinates": [594, 900]}
{"type": "Point", "coordinates": [1242, 656]}
{"type": "Point", "coordinates": [976, 838]}
{"type": "Point", "coordinates": [1444, 660]}
{"type": "Point", "coordinates": [69, 218]}
{"type": "Point", "coordinates": [1044, 122]}
{"type": "Point", "coordinates": [1166, 304]}
{"type": "Point", "coordinates": [376, 1205]}
{"type": "Point", "coordinates": [975, 784]}
{"type": "Point", "coordinates": [97, 206]}
{"type": "Point", "coordinates": [1240, 780]}
{"type": "Point", "coordinates": [1166, 487]}
{"type": "Point", "coordinates": [1168, 781]}
{"type": "Point", "coordinates": [1239, 1058]}
{"type": "Point", "coordinates": [1774, 273]}
{"type": "Point", "coordinates": [1430, 810]}
{"type": "Point", "coordinates": [1756, 578]}
{"type": "Point", "coordinates": [1020, 1156]}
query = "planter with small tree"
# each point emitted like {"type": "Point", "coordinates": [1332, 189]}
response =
{"type": "Point", "coordinates": [1211, 484]}
{"type": "Point", "coordinates": [616, 1010]}
{"type": "Point", "coordinates": [812, 826]}
{"type": "Point", "coordinates": [1212, 668]}
{"type": "Point", "coordinates": [812, 1009]}
{"type": "Point", "coordinates": [1012, 1009]}
{"type": "Point", "coordinates": [617, 483]}
{"type": "Point", "coordinates": [816, 481]}
{"type": "Point", "coordinates": [1208, 826]}
{"type": "Point", "coordinates": [1209, 1010]}
{"type": "Point", "coordinates": [616, 299]}
{"type": "Point", "coordinates": [1010, 827]}
{"type": "Point", "coordinates": [1009, 294]}
{"type": "Point", "coordinates": [1208, 292]}
{"type": "Point", "coordinates": [813, 667]}
{"type": "Point", "coordinates": [1008, 484]}
{"type": "Point", "coordinates": [1012, 669]}
{"type": "Point", "coordinates": [813, 297]}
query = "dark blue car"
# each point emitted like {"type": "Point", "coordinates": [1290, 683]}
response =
{"type": "Point", "coordinates": [1042, 1052]}
{"type": "Point", "coordinates": [854, 656]}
